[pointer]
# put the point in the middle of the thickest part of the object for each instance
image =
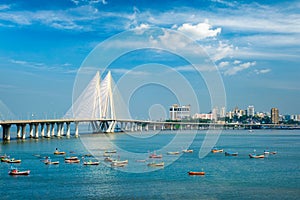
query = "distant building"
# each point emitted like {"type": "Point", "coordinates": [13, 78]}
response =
{"type": "Point", "coordinates": [203, 116]}
{"type": "Point", "coordinates": [274, 115]}
{"type": "Point", "coordinates": [250, 111]}
{"type": "Point", "coordinates": [178, 112]}
{"type": "Point", "coordinates": [223, 112]}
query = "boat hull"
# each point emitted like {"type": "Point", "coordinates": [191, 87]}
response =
{"type": "Point", "coordinates": [192, 173]}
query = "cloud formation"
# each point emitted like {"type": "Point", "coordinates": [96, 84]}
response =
{"type": "Point", "coordinates": [242, 66]}
{"type": "Point", "coordinates": [199, 31]}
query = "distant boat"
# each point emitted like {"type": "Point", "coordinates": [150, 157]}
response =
{"type": "Point", "coordinates": [119, 163]}
{"type": "Point", "coordinates": [110, 151]}
{"type": "Point", "coordinates": [154, 155]}
{"type": "Point", "coordinates": [71, 158]}
{"type": "Point", "coordinates": [216, 150]}
{"type": "Point", "coordinates": [231, 153]}
{"type": "Point", "coordinates": [140, 161]}
{"type": "Point", "coordinates": [13, 161]}
{"type": "Point", "coordinates": [49, 162]}
{"type": "Point", "coordinates": [173, 153]}
{"type": "Point", "coordinates": [153, 164]}
{"type": "Point", "coordinates": [91, 163]}
{"type": "Point", "coordinates": [273, 152]}
{"type": "Point", "coordinates": [201, 173]}
{"type": "Point", "coordinates": [253, 155]}
{"type": "Point", "coordinates": [59, 152]}
{"type": "Point", "coordinates": [187, 151]}
{"type": "Point", "coordinates": [72, 161]}
{"type": "Point", "coordinates": [17, 172]}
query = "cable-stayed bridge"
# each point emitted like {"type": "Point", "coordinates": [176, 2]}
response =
{"type": "Point", "coordinates": [100, 104]}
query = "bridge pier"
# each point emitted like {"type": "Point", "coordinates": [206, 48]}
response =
{"type": "Point", "coordinates": [76, 129]}
{"type": "Point", "coordinates": [31, 130]}
{"type": "Point", "coordinates": [18, 131]}
{"type": "Point", "coordinates": [68, 129]}
{"type": "Point", "coordinates": [58, 129]}
{"type": "Point", "coordinates": [62, 133]}
{"type": "Point", "coordinates": [52, 129]}
{"type": "Point", "coordinates": [23, 131]}
{"type": "Point", "coordinates": [42, 130]}
{"type": "Point", "coordinates": [36, 126]}
{"type": "Point", "coordinates": [6, 132]}
{"type": "Point", "coordinates": [47, 130]}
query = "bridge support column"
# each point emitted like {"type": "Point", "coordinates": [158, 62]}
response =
{"type": "Point", "coordinates": [42, 130]}
{"type": "Point", "coordinates": [18, 131]}
{"type": "Point", "coordinates": [6, 132]}
{"type": "Point", "coordinates": [31, 130]}
{"type": "Point", "coordinates": [52, 130]}
{"type": "Point", "coordinates": [23, 131]}
{"type": "Point", "coordinates": [76, 129]}
{"type": "Point", "coordinates": [36, 126]}
{"type": "Point", "coordinates": [62, 133]}
{"type": "Point", "coordinates": [47, 130]}
{"type": "Point", "coordinates": [58, 129]}
{"type": "Point", "coordinates": [147, 127]}
{"type": "Point", "coordinates": [111, 127]}
{"type": "Point", "coordinates": [68, 129]}
{"type": "Point", "coordinates": [154, 127]}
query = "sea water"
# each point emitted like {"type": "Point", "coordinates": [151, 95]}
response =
{"type": "Point", "coordinates": [274, 177]}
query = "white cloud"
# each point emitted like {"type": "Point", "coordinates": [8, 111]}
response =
{"type": "Point", "coordinates": [234, 70]}
{"type": "Point", "coordinates": [236, 62]}
{"type": "Point", "coordinates": [223, 64]}
{"type": "Point", "coordinates": [220, 52]}
{"type": "Point", "coordinates": [262, 71]}
{"type": "Point", "coordinates": [4, 7]}
{"type": "Point", "coordinates": [199, 31]}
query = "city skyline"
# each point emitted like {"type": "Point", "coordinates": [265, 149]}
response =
{"type": "Point", "coordinates": [253, 44]}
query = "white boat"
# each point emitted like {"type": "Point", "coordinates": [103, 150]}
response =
{"type": "Point", "coordinates": [187, 151]}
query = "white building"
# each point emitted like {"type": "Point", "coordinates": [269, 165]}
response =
{"type": "Point", "coordinates": [178, 112]}
{"type": "Point", "coordinates": [250, 111]}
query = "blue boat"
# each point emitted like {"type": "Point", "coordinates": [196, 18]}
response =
{"type": "Point", "coordinates": [231, 153]}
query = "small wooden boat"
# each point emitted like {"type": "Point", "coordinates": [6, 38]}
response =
{"type": "Point", "coordinates": [108, 159]}
{"type": "Point", "coordinates": [266, 152]}
{"type": "Point", "coordinates": [13, 161]}
{"type": "Point", "coordinates": [193, 173]}
{"type": "Point", "coordinates": [187, 151]}
{"type": "Point", "coordinates": [231, 153]}
{"type": "Point", "coordinates": [72, 161]}
{"type": "Point", "coordinates": [155, 156]}
{"type": "Point", "coordinates": [110, 151]}
{"type": "Point", "coordinates": [153, 164]}
{"type": "Point", "coordinates": [253, 155]}
{"type": "Point", "coordinates": [120, 161]}
{"type": "Point", "coordinates": [17, 172]}
{"type": "Point", "coordinates": [173, 153]}
{"type": "Point", "coordinates": [49, 162]}
{"type": "Point", "coordinates": [91, 163]}
{"type": "Point", "coordinates": [273, 152]}
{"type": "Point", "coordinates": [216, 150]}
{"type": "Point", "coordinates": [59, 153]}
{"type": "Point", "coordinates": [113, 164]}
{"type": "Point", "coordinates": [71, 158]}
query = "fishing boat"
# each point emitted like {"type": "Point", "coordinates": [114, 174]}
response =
{"type": "Point", "coordinates": [91, 162]}
{"type": "Point", "coordinates": [154, 155]}
{"type": "Point", "coordinates": [110, 151]}
{"type": "Point", "coordinates": [173, 153]}
{"type": "Point", "coordinates": [6, 159]}
{"type": "Point", "coordinates": [13, 161]}
{"type": "Point", "coordinates": [108, 159]}
{"type": "Point", "coordinates": [154, 164]}
{"type": "Point", "coordinates": [71, 158]}
{"type": "Point", "coordinates": [72, 161]}
{"type": "Point", "coordinates": [59, 152]}
{"type": "Point", "coordinates": [49, 162]}
{"type": "Point", "coordinates": [216, 150]}
{"type": "Point", "coordinates": [193, 173]}
{"type": "Point", "coordinates": [231, 153]}
{"type": "Point", "coordinates": [187, 151]}
{"type": "Point", "coordinates": [273, 152]}
{"type": "Point", "coordinates": [253, 155]}
{"type": "Point", "coordinates": [113, 164]}
{"type": "Point", "coordinates": [17, 172]}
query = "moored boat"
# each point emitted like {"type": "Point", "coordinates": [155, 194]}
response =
{"type": "Point", "coordinates": [154, 155]}
{"type": "Point", "coordinates": [216, 150]}
{"type": "Point", "coordinates": [91, 162]}
{"type": "Point", "coordinates": [201, 173]}
{"type": "Point", "coordinates": [72, 161]}
{"type": "Point", "coordinates": [71, 158]}
{"type": "Point", "coordinates": [49, 162]}
{"type": "Point", "coordinates": [154, 164]}
{"type": "Point", "coordinates": [13, 161]}
{"type": "Point", "coordinates": [231, 153]}
{"type": "Point", "coordinates": [187, 151]}
{"type": "Point", "coordinates": [59, 153]}
{"type": "Point", "coordinates": [253, 155]}
{"type": "Point", "coordinates": [173, 153]}
{"type": "Point", "coordinates": [17, 172]}
{"type": "Point", "coordinates": [110, 151]}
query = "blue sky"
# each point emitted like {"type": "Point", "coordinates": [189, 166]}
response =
{"type": "Point", "coordinates": [255, 45]}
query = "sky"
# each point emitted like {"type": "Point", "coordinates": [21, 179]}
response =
{"type": "Point", "coordinates": [254, 45]}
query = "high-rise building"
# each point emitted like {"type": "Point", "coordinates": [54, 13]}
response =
{"type": "Point", "coordinates": [179, 112]}
{"type": "Point", "coordinates": [274, 115]}
{"type": "Point", "coordinates": [250, 111]}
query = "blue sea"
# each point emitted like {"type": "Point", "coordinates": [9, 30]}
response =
{"type": "Point", "coordinates": [274, 177]}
